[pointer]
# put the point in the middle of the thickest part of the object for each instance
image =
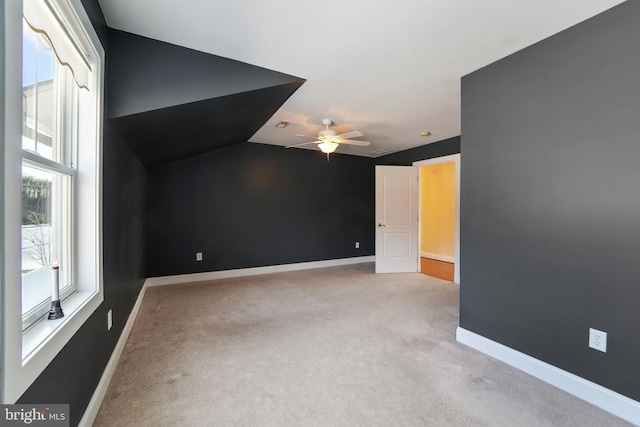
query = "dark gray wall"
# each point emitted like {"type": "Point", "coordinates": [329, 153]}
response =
{"type": "Point", "coordinates": [442, 148]}
{"type": "Point", "coordinates": [252, 205]}
{"type": "Point", "coordinates": [75, 372]}
{"type": "Point", "coordinates": [170, 102]}
{"type": "Point", "coordinates": [152, 75]}
{"type": "Point", "coordinates": [550, 206]}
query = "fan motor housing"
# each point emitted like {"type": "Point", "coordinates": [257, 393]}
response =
{"type": "Point", "coordinates": [327, 132]}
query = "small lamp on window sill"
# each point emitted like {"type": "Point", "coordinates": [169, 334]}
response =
{"type": "Point", "coordinates": [55, 312]}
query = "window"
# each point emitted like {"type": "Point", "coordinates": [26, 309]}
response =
{"type": "Point", "coordinates": [51, 188]}
{"type": "Point", "coordinates": [49, 117]}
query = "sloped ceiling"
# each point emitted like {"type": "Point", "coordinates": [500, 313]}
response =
{"type": "Point", "coordinates": [169, 102]}
{"type": "Point", "coordinates": [390, 69]}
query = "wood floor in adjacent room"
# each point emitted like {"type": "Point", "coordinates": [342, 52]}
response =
{"type": "Point", "coordinates": [337, 346]}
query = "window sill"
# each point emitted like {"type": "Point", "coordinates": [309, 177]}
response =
{"type": "Point", "coordinates": [44, 340]}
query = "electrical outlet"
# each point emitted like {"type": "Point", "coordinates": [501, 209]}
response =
{"type": "Point", "coordinates": [109, 320]}
{"type": "Point", "coordinates": [598, 340]}
{"type": "Point", "coordinates": [357, 245]}
{"type": "Point", "coordinates": [198, 256]}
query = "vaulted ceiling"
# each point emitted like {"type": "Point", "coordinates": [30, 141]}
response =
{"type": "Point", "coordinates": [390, 69]}
{"type": "Point", "coordinates": [169, 102]}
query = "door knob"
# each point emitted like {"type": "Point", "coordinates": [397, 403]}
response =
{"type": "Point", "coordinates": [381, 225]}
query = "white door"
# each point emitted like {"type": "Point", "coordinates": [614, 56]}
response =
{"type": "Point", "coordinates": [396, 219]}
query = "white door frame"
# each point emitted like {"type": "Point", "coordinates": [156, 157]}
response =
{"type": "Point", "coordinates": [455, 158]}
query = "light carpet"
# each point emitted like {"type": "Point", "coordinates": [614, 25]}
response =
{"type": "Point", "coordinates": [337, 346]}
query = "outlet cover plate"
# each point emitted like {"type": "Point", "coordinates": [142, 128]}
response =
{"type": "Point", "coordinates": [598, 340]}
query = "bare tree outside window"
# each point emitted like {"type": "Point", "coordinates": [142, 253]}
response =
{"type": "Point", "coordinates": [36, 221]}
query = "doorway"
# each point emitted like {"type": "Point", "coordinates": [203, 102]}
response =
{"type": "Point", "coordinates": [439, 213]}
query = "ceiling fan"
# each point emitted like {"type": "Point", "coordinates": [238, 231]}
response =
{"type": "Point", "coordinates": [328, 139]}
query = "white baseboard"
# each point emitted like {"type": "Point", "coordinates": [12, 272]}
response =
{"type": "Point", "coordinates": [619, 405]}
{"type": "Point", "coordinates": [98, 395]}
{"type": "Point", "coordinates": [242, 272]}
{"type": "Point", "coordinates": [438, 257]}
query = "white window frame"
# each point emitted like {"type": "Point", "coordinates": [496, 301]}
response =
{"type": "Point", "coordinates": [66, 247]}
{"type": "Point", "coordinates": [25, 356]}
{"type": "Point", "coordinates": [65, 151]}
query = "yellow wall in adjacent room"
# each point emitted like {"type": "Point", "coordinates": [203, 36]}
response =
{"type": "Point", "coordinates": [438, 186]}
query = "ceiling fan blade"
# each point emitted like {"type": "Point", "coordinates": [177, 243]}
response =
{"type": "Point", "coordinates": [355, 142]}
{"type": "Point", "coordinates": [306, 136]}
{"type": "Point", "coordinates": [304, 143]}
{"type": "Point", "coordinates": [353, 134]}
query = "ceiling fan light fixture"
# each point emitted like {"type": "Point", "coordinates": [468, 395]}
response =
{"type": "Point", "coordinates": [328, 146]}
{"type": "Point", "coordinates": [328, 140]}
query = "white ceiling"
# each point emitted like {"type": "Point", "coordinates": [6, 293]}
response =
{"type": "Point", "coordinates": [389, 69]}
